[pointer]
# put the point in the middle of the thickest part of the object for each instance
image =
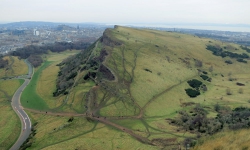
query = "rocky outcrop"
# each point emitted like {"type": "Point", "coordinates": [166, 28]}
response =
{"type": "Point", "coordinates": [108, 40]}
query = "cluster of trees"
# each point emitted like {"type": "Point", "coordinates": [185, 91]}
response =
{"type": "Point", "coordinates": [3, 63]}
{"type": "Point", "coordinates": [218, 51]}
{"type": "Point", "coordinates": [35, 60]}
{"type": "Point", "coordinates": [245, 48]}
{"type": "Point", "coordinates": [66, 75]}
{"type": "Point", "coordinates": [32, 51]}
{"type": "Point", "coordinates": [196, 119]}
{"type": "Point", "coordinates": [196, 86]}
{"type": "Point", "coordinates": [26, 51]}
{"type": "Point", "coordinates": [69, 69]}
{"type": "Point", "coordinates": [206, 78]}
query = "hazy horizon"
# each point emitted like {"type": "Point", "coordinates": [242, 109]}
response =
{"type": "Point", "coordinates": [199, 26]}
{"type": "Point", "coordinates": [142, 11]}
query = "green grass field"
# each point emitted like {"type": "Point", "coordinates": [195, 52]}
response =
{"type": "Point", "coordinates": [39, 93]}
{"type": "Point", "coordinates": [81, 134]}
{"type": "Point", "coordinates": [10, 125]}
{"type": "Point", "coordinates": [29, 97]}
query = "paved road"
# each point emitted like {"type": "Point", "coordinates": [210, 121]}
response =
{"type": "Point", "coordinates": [16, 105]}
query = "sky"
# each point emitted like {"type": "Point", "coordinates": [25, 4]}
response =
{"type": "Point", "coordinates": [127, 11]}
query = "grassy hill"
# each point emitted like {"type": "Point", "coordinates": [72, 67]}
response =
{"type": "Point", "coordinates": [14, 68]}
{"type": "Point", "coordinates": [135, 81]}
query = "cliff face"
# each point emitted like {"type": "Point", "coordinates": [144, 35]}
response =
{"type": "Point", "coordinates": [90, 60]}
{"type": "Point", "coordinates": [108, 40]}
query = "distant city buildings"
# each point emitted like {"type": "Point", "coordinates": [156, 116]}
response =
{"type": "Point", "coordinates": [36, 32]}
{"type": "Point", "coordinates": [12, 38]}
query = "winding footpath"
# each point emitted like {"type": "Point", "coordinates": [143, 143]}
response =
{"type": "Point", "coordinates": [16, 105]}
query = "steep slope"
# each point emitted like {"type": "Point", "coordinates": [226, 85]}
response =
{"type": "Point", "coordinates": [134, 80]}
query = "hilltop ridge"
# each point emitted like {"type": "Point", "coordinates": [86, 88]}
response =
{"type": "Point", "coordinates": [140, 81]}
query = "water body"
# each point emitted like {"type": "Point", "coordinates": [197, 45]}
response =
{"type": "Point", "coordinates": [218, 28]}
{"type": "Point", "coordinates": [226, 27]}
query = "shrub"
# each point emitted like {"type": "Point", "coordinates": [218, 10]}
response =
{"type": "Point", "coordinates": [204, 72]}
{"type": "Point", "coordinates": [194, 83]}
{"type": "Point", "coordinates": [189, 142]}
{"type": "Point", "coordinates": [192, 93]}
{"type": "Point", "coordinates": [241, 60]}
{"type": "Point", "coordinates": [204, 87]}
{"type": "Point", "coordinates": [209, 79]}
{"type": "Point", "coordinates": [198, 63]}
{"type": "Point", "coordinates": [240, 84]}
{"type": "Point", "coordinates": [148, 70]}
{"type": "Point", "coordinates": [217, 107]}
{"type": "Point", "coordinates": [210, 69]}
{"type": "Point", "coordinates": [204, 77]}
{"type": "Point", "coordinates": [229, 91]}
{"type": "Point", "coordinates": [228, 62]}
{"type": "Point", "coordinates": [71, 119]}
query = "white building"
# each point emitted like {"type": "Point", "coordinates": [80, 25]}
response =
{"type": "Point", "coordinates": [36, 32]}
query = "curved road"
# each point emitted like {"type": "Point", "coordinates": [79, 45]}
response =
{"type": "Point", "coordinates": [16, 105]}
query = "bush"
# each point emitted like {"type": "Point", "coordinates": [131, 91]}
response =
{"type": "Point", "coordinates": [198, 63]}
{"type": "Point", "coordinates": [192, 93]}
{"type": "Point", "coordinates": [229, 91]}
{"type": "Point", "coordinates": [241, 60]}
{"type": "Point", "coordinates": [148, 70]}
{"type": "Point", "coordinates": [204, 72]}
{"type": "Point", "coordinates": [240, 84]}
{"type": "Point", "coordinates": [71, 119]}
{"type": "Point", "coordinates": [195, 83]}
{"type": "Point", "coordinates": [228, 62]}
{"type": "Point", "coordinates": [3, 63]}
{"type": "Point", "coordinates": [204, 77]}
{"type": "Point", "coordinates": [218, 51]}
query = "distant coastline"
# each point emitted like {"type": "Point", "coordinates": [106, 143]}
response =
{"type": "Point", "coordinates": [198, 26]}
{"type": "Point", "coordinates": [218, 27]}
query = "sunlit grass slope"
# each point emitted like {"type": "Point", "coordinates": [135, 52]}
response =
{"type": "Point", "coordinates": [236, 140]}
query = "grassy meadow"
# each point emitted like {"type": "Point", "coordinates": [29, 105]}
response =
{"type": "Point", "coordinates": [81, 134]}
{"type": "Point", "coordinates": [10, 125]}
{"type": "Point", "coordinates": [38, 94]}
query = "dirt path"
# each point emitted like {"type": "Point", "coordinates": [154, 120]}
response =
{"type": "Point", "coordinates": [55, 113]}
{"type": "Point", "coordinates": [124, 129]}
